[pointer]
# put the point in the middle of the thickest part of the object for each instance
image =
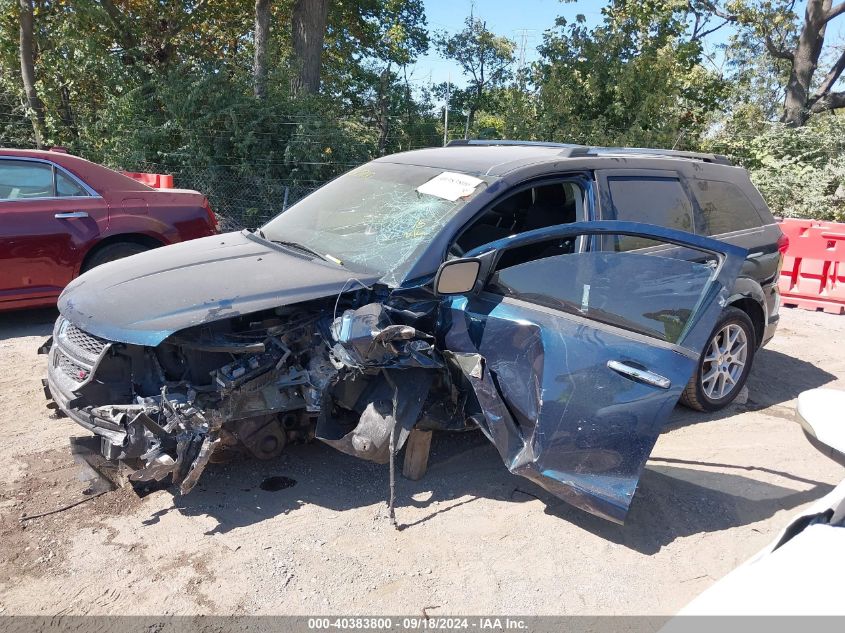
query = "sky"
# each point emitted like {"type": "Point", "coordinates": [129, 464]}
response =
{"type": "Point", "coordinates": [525, 21]}
{"type": "Point", "coordinates": [516, 19]}
{"type": "Point", "coordinates": [520, 20]}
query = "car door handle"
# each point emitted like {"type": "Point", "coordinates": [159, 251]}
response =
{"type": "Point", "coordinates": [640, 375]}
{"type": "Point", "coordinates": [71, 214]}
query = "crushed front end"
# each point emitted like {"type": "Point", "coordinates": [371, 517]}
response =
{"type": "Point", "coordinates": [250, 384]}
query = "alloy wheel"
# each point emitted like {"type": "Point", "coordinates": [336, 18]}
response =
{"type": "Point", "coordinates": [724, 362]}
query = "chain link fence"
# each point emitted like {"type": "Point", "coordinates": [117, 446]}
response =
{"type": "Point", "coordinates": [239, 201]}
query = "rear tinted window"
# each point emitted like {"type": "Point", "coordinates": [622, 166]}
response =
{"type": "Point", "coordinates": [724, 208]}
{"type": "Point", "coordinates": [67, 187]}
{"type": "Point", "coordinates": [20, 179]}
{"type": "Point", "coordinates": [659, 201]}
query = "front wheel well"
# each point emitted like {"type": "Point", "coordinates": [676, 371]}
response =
{"type": "Point", "coordinates": [755, 312]}
{"type": "Point", "coordinates": [121, 238]}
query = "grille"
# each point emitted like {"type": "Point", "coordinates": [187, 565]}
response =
{"type": "Point", "coordinates": [72, 369]}
{"type": "Point", "coordinates": [84, 341]}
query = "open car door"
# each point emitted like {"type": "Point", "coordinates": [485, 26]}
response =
{"type": "Point", "coordinates": [577, 358]}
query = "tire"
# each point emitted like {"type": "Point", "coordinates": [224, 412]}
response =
{"type": "Point", "coordinates": [112, 252]}
{"type": "Point", "coordinates": [720, 376]}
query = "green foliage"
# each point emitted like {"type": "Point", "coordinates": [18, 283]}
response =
{"type": "Point", "coordinates": [168, 86]}
{"type": "Point", "coordinates": [636, 79]}
{"type": "Point", "coordinates": [799, 171]}
{"type": "Point", "coordinates": [485, 59]}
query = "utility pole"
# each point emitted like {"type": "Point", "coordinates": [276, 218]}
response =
{"type": "Point", "coordinates": [446, 111]}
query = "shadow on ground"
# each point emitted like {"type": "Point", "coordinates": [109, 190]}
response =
{"type": "Point", "coordinates": [775, 379]}
{"type": "Point", "coordinates": [672, 501]}
{"type": "Point", "coordinates": [27, 323]}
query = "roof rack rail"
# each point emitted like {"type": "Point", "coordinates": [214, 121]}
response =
{"type": "Point", "coordinates": [583, 150]}
{"type": "Point", "coordinates": [573, 150]}
{"type": "Point", "coordinates": [491, 142]}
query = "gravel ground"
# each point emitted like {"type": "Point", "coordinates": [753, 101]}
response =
{"type": "Point", "coordinates": [474, 538]}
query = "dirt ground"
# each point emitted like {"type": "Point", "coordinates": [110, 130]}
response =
{"type": "Point", "coordinates": [474, 539]}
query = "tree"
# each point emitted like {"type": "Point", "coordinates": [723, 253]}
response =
{"type": "Point", "coordinates": [27, 58]}
{"type": "Point", "coordinates": [261, 39]}
{"type": "Point", "coordinates": [485, 58]}
{"type": "Point", "coordinates": [798, 44]}
{"type": "Point", "coordinates": [635, 79]}
{"type": "Point", "coordinates": [308, 32]}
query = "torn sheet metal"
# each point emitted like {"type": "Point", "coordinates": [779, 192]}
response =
{"type": "Point", "coordinates": [366, 338]}
{"type": "Point", "coordinates": [392, 364]}
{"type": "Point", "coordinates": [168, 434]}
{"type": "Point", "coordinates": [556, 404]}
{"type": "Point", "coordinates": [395, 401]}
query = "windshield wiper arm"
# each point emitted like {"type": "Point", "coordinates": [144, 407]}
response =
{"type": "Point", "coordinates": [300, 247]}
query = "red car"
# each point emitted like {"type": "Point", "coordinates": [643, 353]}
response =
{"type": "Point", "coordinates": [61, 215]}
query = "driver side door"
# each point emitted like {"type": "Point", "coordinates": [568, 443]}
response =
{"type": "Point", "coordinates": [577, 359]}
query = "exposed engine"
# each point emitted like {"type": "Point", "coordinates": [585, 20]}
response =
{"type": "Point", "coordinates": [253, 384]}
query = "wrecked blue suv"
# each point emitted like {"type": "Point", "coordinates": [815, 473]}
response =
{"type": "Point", "coordinates": [560, 298]}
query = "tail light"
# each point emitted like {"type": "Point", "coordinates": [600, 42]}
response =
{"type": "Point", "coordinates": [212, 219]}
{"type": "Point", "coordinates": [783, 244]}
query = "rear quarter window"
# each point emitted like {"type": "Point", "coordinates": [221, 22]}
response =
{"type": "Point", "coordinates": [659, 201]}
{"type": "Point", "coordinates": [724, 208]}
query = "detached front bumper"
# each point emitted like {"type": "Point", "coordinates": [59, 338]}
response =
{"type": "Point", "coordinates": [165, 435]}
{"type": "Point", "coordinates": [73, 357]}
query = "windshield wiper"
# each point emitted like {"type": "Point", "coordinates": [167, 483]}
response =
{"type": "Point", "coordinates": [298, 246]}
{"type": "Point", "coordinates": [301, 247]}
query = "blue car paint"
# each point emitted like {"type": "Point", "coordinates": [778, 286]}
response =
{"type": "Point", "coordinates": [555, 411]}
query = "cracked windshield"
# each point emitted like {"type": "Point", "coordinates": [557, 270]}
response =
{"type": "Point", "coordinates": [377, 217]}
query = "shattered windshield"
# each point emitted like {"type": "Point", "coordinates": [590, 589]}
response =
{"type": "Point", "coordinates": [376, 218]}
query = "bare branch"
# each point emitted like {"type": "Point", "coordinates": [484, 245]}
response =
{"type": "Point", "coordinates": [705, 33]}
{"type": "Point", "coordinates": [830, 101]}
{"type": "Point", "coordinates": [716, 10]}
{"type": "Point", "coordinates": [776, 51]}
{"type": "Point", "coordinates": [836, 11]}
{"type": "Point", "coordinates": [830, 78]}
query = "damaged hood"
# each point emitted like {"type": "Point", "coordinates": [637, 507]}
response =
{"type": "Point", "coordinates": [145, 298]}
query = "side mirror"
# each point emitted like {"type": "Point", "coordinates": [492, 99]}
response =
{"type": "Point", "coordinates": [457, 277]}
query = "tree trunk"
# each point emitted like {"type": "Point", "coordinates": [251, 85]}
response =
{"type": "Point", "coordinates": [66, 112]}
{"type": "Point", "coordinates": [27, 55]}
{"type": "Point", "coordinates": [261, 39]}
{"type": "Point", "coordinates": [804, 63]}
{"type": "Point", "coordinates": [308, 28]}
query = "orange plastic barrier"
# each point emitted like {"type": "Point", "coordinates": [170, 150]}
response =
{"type": "Point", "coordinates": [158, 181]}
{"type": "Point", "coordinates": [813, 273]}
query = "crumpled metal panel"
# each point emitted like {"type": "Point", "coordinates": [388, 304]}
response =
{"type": "Point", "coordinates": [395, 402]}
{"type": "Point", "coordinates": [397, 360]}
{"type": "Point", "coordinates": [555, 409]}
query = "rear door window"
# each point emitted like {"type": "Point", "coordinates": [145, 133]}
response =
{"type": "Point", "coordinates": [22, 180]}
{"type": "Point", "coordinates": [651, 200]}
{"type": "Point", "coordinates": [724, 208]}
{"type": "Point", "coordinates": [66, 186]}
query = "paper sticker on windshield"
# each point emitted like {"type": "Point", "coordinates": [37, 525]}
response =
{"type": "Point", "coordinates": [450, 186]}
